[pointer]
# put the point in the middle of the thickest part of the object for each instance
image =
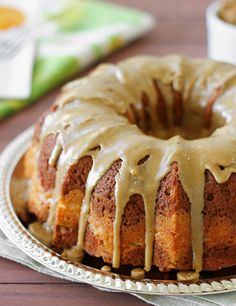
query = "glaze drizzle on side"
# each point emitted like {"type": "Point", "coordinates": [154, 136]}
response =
{"type": "Point", "coordinates": [100, 110]}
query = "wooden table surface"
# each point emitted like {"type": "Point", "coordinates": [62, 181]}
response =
{"type": "Point", "coordinates": [180, 29]}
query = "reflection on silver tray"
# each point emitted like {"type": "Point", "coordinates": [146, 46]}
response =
{"type": "Point", "coordinates": [18, 234]}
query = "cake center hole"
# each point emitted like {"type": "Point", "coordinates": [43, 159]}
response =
{"type": "Point", "coordinates": [193, 128]}
{"type": "Point", "coordinates": [174, 118]}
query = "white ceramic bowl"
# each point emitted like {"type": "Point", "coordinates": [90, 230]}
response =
{"type": "Point", "coordinates": [221, 36]}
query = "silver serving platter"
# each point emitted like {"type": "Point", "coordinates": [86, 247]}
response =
{"type": "Point", "coordinates": [18, 234]}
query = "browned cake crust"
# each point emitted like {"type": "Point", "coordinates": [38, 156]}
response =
{"type": "Point", "coordinates": [47, 174]}
{"type": "Point", "coordinates": [43, 180]}
{"type": "Point", "coordinates": [68, 211]}
{"type": "Point", "coordinates": [100, 223]}
{"type": "Point", "coordinates": [219, 223]}
{"type": "Point", "coordinates": [172, 247]}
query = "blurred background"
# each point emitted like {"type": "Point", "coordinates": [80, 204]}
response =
{"type": "Point", "coordinates": [45, 43]}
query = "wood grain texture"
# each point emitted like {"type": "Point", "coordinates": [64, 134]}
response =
{"type": "Point", "coordinates": [180, 29]}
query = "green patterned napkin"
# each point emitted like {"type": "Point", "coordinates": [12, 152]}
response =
{"type": "Point", "coordinates": [79, 33]}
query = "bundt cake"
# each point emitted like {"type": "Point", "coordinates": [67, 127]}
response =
{"type": "Point", "coordinates": [136, 163]}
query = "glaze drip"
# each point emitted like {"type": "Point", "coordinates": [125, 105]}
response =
{"type": "Point", "coordinates": [109, 109]}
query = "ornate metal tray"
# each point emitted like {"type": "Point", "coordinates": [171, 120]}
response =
{"type": "Point", "coordinates": [223, 281]}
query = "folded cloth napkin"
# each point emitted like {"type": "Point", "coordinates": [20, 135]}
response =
{"type": "Point", "coordinates": [72, 35]}
{"type": "Point", "coordinates": [10, 251]}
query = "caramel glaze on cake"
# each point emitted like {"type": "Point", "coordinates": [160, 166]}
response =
{"type": "Point", "coordinates": [135, 164]}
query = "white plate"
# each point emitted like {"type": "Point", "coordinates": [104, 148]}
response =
{"type": "Point", "coordinates": [16, 232]}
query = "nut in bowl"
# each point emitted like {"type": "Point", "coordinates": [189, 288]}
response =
{"type": "Point", "coordinates": [221, 31]}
